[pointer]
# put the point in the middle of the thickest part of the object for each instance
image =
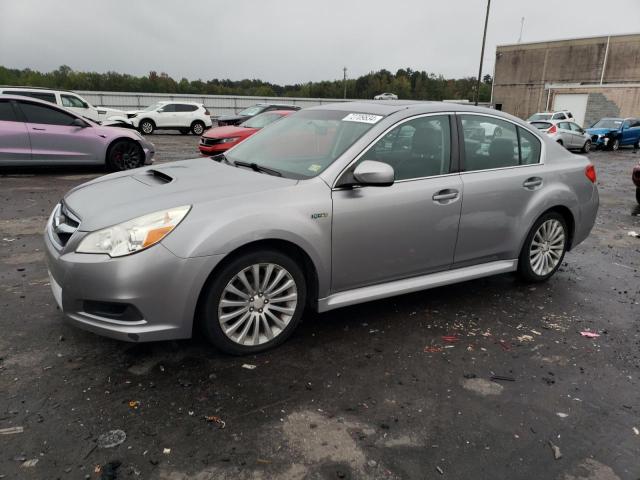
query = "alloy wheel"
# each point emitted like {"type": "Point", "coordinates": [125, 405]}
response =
{"type": "Point", "coordinates": [547, 247]}
{"type": "Point", "coordinates": [127, 155]}
{"type": "Point", "coordinates": [147, 127]}
{"type": "Point", "coordinates": [197, 129]}
{"type": "Point", "coordinates": [257, 304]}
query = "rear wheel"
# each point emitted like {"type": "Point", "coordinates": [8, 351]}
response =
{"type": "Point", "coordinates": [197, 128]}
{"type": "Point", "coordinates": [544, 248]}
{"type": "Point", "coordinates": [147, 127]}
{"type": "Point", "coordinates": [586, 148]}
{"type": "Point", "coordinates": [125, 155]}
{"type": "Point", "coordinates": [254, 303]}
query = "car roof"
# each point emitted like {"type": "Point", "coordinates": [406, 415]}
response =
{"type": "Point", "coordinates": [22, 98]}
{"type": "Point", "coordinates": [290, 105]}
{"type": "Point", "coordinates": [36, 89]}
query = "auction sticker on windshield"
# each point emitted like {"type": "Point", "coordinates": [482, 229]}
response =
{"type": "Point", "coordinates": [362, 118]}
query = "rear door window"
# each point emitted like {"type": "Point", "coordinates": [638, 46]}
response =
{"type": "Point", "coordinates": [182, 107]}
{"type": "Point", "coordinates": [489, 143]}
{"type": "Point", "coordinates": [575, 127]}
{"type": "Point", "coordinates": [170, 107]}
{"type": "Point", "coordinates": [71, 101]}
{"type": "Point", "coordinates": [45, 115]}
{"type": "Point", "coordinates": [6, 112]}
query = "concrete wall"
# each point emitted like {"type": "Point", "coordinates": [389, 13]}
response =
{"type": "Point", "coordinates": [523, 71]}
{"type": "Point", "coordinates": [606, 102]}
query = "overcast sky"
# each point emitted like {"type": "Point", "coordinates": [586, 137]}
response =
{"type": "Point", "coordinates": [288, 41]}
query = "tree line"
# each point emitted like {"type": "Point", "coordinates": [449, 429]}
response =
{"type": "Point", "coordinates": [406, 83]}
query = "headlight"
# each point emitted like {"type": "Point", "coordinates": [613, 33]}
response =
{"type": "Point", "coordinates": [229, 140]}
{"type": "Point", "coordinates": [134, 235]}
{"type": "Point", "coordinates": [600, 135]}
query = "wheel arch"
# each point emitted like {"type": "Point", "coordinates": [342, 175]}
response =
{"type": "Point", "coordinates": [566, 214]}
{"type": "Point", "coordinates": [147, 119]}
{"type": "Point", "coordinates": [286, 247]}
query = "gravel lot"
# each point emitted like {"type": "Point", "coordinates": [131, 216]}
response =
{"type": "Point", "coordinates": [371, 391]}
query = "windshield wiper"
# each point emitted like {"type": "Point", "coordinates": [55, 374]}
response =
{"type": "Point", "coordinates": [221, 157]}
{"type": "Point", "coordinates": [258, 168]}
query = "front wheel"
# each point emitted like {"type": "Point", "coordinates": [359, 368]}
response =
{"type": "Point", "coordinates": [586, 148]}
{"type": "Point", "coordinates": [147, 127]}
{"type": "Point", "coordinates": [254, 303]}
{"type": "Point", "coordinates": [197, 128]}
{"type": "Point", "coordinates": [125, 155]}
{"type": "Point", "coordinates": [615, 144]}
{"type": "Point", "coordinates": [544, 248]}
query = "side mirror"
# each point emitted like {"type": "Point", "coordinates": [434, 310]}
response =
{"type": "Point", "coordinates": [79, 123]}
{"type": "Point", "coordinates": [374, 174]}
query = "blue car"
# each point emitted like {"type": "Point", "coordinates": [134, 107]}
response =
{"type": "Point", "coordinates": [613, 133]}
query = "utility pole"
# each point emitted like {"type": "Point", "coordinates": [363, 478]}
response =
{"type": "Point", "coordinates": [521, 29]}
{"type": "Point", "coordinates": [344, 82]}
{"type": "Point", "coordinates": [484, 38]}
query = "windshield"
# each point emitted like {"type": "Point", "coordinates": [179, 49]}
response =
{"type": "Point", "coordinates": [251, 111]}
{"type": "Point", "coordinates": [262, 120]}
{"type": "Point", "coordinates": [539, 116]}
{"type": "Point", "coordinates": [608, 123]}
{"type": "Point", "coordinates": [155, 106]}
{"type": "Point", "coordinates": [303, 145]}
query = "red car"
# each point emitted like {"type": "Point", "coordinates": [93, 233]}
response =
{"type": "Point", "coordinates": [221, 139]}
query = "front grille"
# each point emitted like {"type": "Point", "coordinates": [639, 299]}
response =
{"type": "Point", "coordinates": [594, 138]}
{"type": "Point", "coordinates": [63, 224]}
{"type": "Point", "coordinates": [209, 141]}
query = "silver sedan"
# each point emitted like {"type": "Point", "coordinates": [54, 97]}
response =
{"type": "Point", "coordinates": [331, 206]}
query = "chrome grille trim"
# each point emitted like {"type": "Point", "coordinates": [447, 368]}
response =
{"type": "Point", "coordinates": [62, 225]}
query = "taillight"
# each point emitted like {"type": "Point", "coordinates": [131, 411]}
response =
{"type": "Point", "coordinates": [553, 129]}
{"type": "Point", "coordinates": [206, 112]}
{"type": "Point", "coordinates": [590, 172]}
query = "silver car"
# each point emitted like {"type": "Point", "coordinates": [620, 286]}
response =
{"type": "Point", "coordinates": [331, 206]}
{"type": "Point", "coordinates": [568, 134]}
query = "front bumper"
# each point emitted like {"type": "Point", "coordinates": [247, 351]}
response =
{"type": "Point", "coordinates": [215, 148]}
{"type": "Point", "coordinates": [161, 288]}
{"type": "Point", "coordinates": [149, 154]}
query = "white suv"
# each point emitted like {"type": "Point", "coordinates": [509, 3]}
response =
{"type": "Point", "coordinates": [550, 116]}
{"type": "Point", "coordinates": [184, 116]}
{"type": "Point", "coordinates": [64, 98]}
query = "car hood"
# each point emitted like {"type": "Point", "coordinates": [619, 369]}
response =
{"type": "Point", "coordinates": [229, 131]}
{"type": "Point", "coordinates": [122, 196]}
{"type": "Point", "coordinates": [600, 131]}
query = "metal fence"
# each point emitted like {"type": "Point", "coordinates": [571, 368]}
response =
{"type": "Point", "coordinates": [216, 104]}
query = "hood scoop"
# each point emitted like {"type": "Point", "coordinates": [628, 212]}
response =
{"type": "Point", "coordinates": [153, 177]}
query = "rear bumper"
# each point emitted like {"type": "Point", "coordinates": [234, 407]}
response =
{"type": "Point", "coordinates": [159, 287]}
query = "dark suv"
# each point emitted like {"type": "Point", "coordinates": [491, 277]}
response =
{"type": "Point", "coordinates": [247, 113]}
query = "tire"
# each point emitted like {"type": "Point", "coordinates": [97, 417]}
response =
{"type": "Point", "coordinates": [124, 155]}
{"type": "Point", "coordinates": [184, 131]}
{"type": "Point", "coordinates": [250, 310]}
{"type": "Point", "coordinates": [146, 127]}
{"type": "Point", "coordinates": [586, 148]}
{"type": "Point", "coordinates": [638, 195]}
{"type": "Point", "coordinates": [197, 127]}
{"type": "Point", "coordinates": [615, 144]}
{"type": "Point", "coordinates": [533, 267]}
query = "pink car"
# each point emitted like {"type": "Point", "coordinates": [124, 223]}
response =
{"type": "Point", "coordinates": [35, 132]}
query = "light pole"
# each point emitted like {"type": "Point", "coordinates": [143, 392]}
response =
{"type": "Point", "coordinates": [484, 38]}
{"type": "Point", "coordinates": [344, 82]}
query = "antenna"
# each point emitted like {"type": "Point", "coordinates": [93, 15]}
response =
{"type": "Point", "coordinates": [521, 29]}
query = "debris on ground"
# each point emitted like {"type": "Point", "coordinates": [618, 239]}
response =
{"type": "Point", "coordinates": [589, 334]}
{"type": "Point", "coordinates": [503, 378]}
{"type": "Point", "coordinates": [215, 419]}
{"type": "Point", "coordinates": [633, 234]}
{"type": "Point", "coordinates": [450, 338]}
{"type": "Point", "coordinates": [525, 338]}
{"type": "Point", "coordinates": [30, 463]}
{"type": "Point", "coordinates": [504, 345]}
{"type": "Point", "coordinates": [432, 349]}
{"type": "Point", "coordinates": [11, 430]}
{"type": "Point", "coordinates": [557, 454]}
{"type": "Point", "coordinates": [108, 471]}
{"type": "Point", "coordinates": [248, 366]}
{"type": "Point", "coordinates": [134, 404]}
{"type": "Point", "coordinates": [111, 439]}
{"type": "Point", "coordinates": [636, 431]}
{"type": "Point", "coordinates": [439, 470]}
{"type": "Point", "coordinates": [562, 414]}
{"type": "Point", "coordinates": [166, 451]}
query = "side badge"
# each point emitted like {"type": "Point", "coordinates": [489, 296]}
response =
{"type": "Point", "coordinates": [315, 216]}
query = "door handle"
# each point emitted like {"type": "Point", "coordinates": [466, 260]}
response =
{"type": "Point", "coordinates": [532, 183]}
{"type": "Point", "coordinates": [39, 129]}
{"type": "Point", "coordinates": [445, 195]}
